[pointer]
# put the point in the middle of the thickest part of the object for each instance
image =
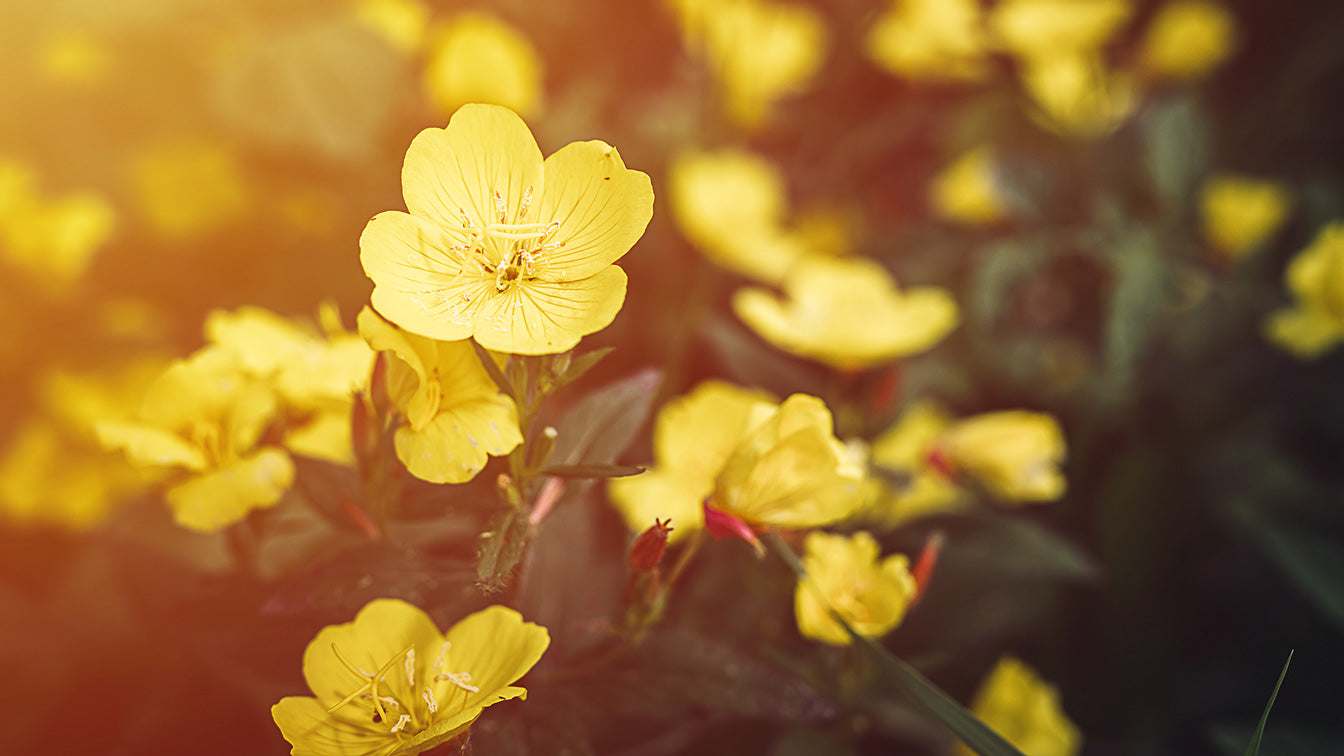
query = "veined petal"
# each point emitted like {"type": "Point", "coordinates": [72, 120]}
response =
{"type": "Point", "coordinates": [457, 443]}
{"type": "Point", "coordinates": [380, 633]}
{"type": "Point", "coordinates": [440, 731]}
{"type": "Point", "coordinates": [496, 647]}
{"type": "Point", "coordinates": [541, 317]}
{"type": "Point", "coordinates": [225, 496]}
{"type": "Point", "coordinates": [420, 283]}
{"type": "Point", "coordinates": [409, 383]}
{"type": "Point", "coordinates": [602, 207]}
{"type": "Point", "coordinates": [311, 731]}
{"type": "Point", "coordinates": [484, 149]}
{"type": "Point", "coordinates": [144, 445]}
{"type": "Point", "coordinates": [696, 434]}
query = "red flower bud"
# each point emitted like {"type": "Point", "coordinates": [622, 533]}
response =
{"type": "Point", "coordinates": [924, 564]}
{"type": "Point", "coordinates": [720, 524]}
{"type": "Point", "coordinates": [648, 548]}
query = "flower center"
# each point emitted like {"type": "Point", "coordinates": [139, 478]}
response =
{"type": "Point", "coordinates": [511, 252]}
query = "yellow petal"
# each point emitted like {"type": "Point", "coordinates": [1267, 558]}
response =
{"type": "Point", "coordinates": [659, 495]}
{"type": "Point", "coordinates": [602, 207]}
{"type": "Point", "coordinates": [225, 496]}
{"type": "Point", "coordinates": [1187, 39]}
{"type": "Point", "coordinates": [1025, 710]}
{"type": "Point", "coordinates": [145, 445]}
{"type": "Point", "coordinates": [485, 149]}
{"type": "Point", "coordinates": [456, 444]}
{"type": "Point", "coordinates": [542, 317]}
{"type": "Point", "coordinates": [380, 633]}
{"type": "Point", "coordinates": [1304, 333]}
{"type": "Point", "coordinates": [305, 723]}
{"type": "Point", "coordinates": [409, 383]}
{"type": "Point", "coordinates": [697, 433]}
{"type": "Point", "coordinates": [419, 282]}
{"type": "Point", "coordinates": [496, 647]}
{"type": "Point", "coordinates": [326, 437]}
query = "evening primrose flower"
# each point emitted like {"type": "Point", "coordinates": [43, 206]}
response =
{"type": "Point", "coordinates": [1025, 710]}
{"type": "Point", "coordinates": [906, 449]}
{"type": "Point", "coordinates": [847, 313]}
{"type": "Point", "coordinates": [968, 191]}
{"type": "Point", "coordinates": [1187, 39]}
{"type": "Point", "coordinates": [731, 205]}
{"type": "Point", "coordinates": [500, 246]}
{"type": "Point", "coordinates": [1037, 29]}
{"type": "Point", "coordinates": [1315, 322]}
{"type": "Point", "coordinates": [52, 238]}
{"type": "Point", "coordinates": [456, 417]}
{"type": "Point", "coordinates": [1240, 213]}
{"type": "Point", "coordinates": [1076, 95]}
{"type": "Point", "coordinates": [390, 684]}
{"type": "Point", "coordinates": [476, 57]}
{"type": "Point", "coordinates": [930, 39]}
{"type": "Point", "coordinates": [401, 22]}
{"type": "Point", "coordinates": [844, 574]}
{"type": "Point", "coordinates": [1015, 454]}
{"type": "Point", "coordinates": [206, 416]}
{"type": "Point", "coordinates": [759, 51]}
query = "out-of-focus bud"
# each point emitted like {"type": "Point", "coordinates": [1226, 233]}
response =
{"type": "Point", "coordinates": [507, 490]}
{"type": "Point", "coordinates": [924, 564]}
{"type": "Point", "coordinates": [560, 364]}
{"type": "Point", "coordinates": [647, 551]}
{"type": "Point", "coordinates": [542, 447]}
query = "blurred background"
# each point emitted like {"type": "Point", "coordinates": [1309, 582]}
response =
{"type": "Point", "coordinates": [1112, 210]}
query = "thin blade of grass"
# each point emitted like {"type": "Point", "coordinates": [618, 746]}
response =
{"type": "Point", "coordinates": [1254, 748]}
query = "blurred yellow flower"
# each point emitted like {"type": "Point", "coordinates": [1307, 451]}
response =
{"type": "Point", "coordinates": [500, 246]}
{"type": "Point", "coordinates": [1051, 28]}
{"type": "Point", "coordinates": [930, 39]}
{"type": "Point", "coordinates": [1315, 321]}
{"type": "Point", "coordinates": [731, 204]}
{"type": "Point", "coordinates": [476, 57]}
{"type": "Point", "coordinates": [789, 470]}
{"type": "Point", "coordinates": [316, 375]}
{"type": "Point", "coordinates": [844, 574]}
{"type": "Point", "coordinates": [967, 191]}
{"type": "Point", "coordinates": [847, 313]}
{"type": "Point", "coordinates": [693, 437]}
{"type": "Point", "coordinates": [1015, 454]}
{"type": "Point", "coordinates": [205, 415]}
{"type": "Point", "coordinates": [759, 51]}
{"type": "Point", "coordinates": [74, 57]}
{"type": "Point", "coordinates": [456, 417]}
{"type": "Point", "coordinates": [1240, 213]}
{"type": "Point", "coordinates": [1025, 710]}
{"type": "Point", "coordinates": [905, 449]}
{"type": "Point", "coordinates": [1075, 95]}
{"type": "Point", "coordinates": [188, 187]}
{"type": "Point", "coordinates": [1187, 39]}
{"type": "Point", "coordinates": [401, 22]}
{"type": "Point", "coordinates": [390, 684]}
{"type": "Point", "coordinates": [53, 239]}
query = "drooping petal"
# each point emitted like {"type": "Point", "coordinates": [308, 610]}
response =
{"type": "Point", "coordinates": [541, 317]}
{"type": "Point", "coordinates": [457, 443]}
{"type": "Point", "coordinates": [602, 207]}
{"type": "Point", "coordinates": [485, 149]}
{"type": "Point", "coordinates": [380, 633]}
{"type": "Point", "coordinates": [420, 282]}
{"type": "Point", "coordinates": [225, 496]}
{"type": "Point", "coordinates": [496, 647]}
{"type": "Point", "coordinates": [311, 731]}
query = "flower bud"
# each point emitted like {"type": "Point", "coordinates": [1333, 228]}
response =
{"type": "Point", "coordinates": [647, 551]}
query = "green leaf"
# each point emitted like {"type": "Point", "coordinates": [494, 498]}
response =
{"type": "Point", "coordinates": [501, 548]}
{"type": "Point", "coordinates": [491, 367]}
{"type": "Point", "coordinates": [604, 423]}
{"type": "Point", "coordinates": [581, 365]}
{"type": "Point", "coordinates": [1137, 304]}
{"type": "Point", "coordinates": [592, 470]}
{"type": "Point", "coordinates": [1254, 748]}
{"type": "Point", "coordinates": [1176, 140]}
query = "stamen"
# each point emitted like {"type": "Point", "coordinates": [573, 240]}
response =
{"type": "Point", "coordinates": [460, 679]}
{"type": "Point", "coordinates": [410, 667]}
{"type": "Point", "coordinates": [433, 705]}
{"type": "Point", "coordinates": [527, 201]}
{"type": "Point", "coordinates": [443, 652]}
{"type": "Point", "coordinates": [501, 208]}
{"type": "Point", "coordinates": [401, 723]}
{"type": "Point", "coordinates": [519, 230]}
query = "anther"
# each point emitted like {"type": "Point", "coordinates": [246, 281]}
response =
{"type": "Point", "coordinates": [401, 723]}
{"type": "Point", "coordinates": [460, 679]}
{"type": "Point", "coordinates": [527, 201]}
{"type": "Point", "coordinates": [433, 705]}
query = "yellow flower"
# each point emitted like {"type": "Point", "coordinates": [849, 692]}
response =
{"type": "Point", "coordinates": [730, 204]}
{"type": "Point", "coordinates": [53, 239]}
{"type": "Point", "coordinates": [1240, 212]}
{"type": "Point", "coordinates": [401, 22]}
{"type": "Point", "coordinates": [1075, 95]}
{"type": "Point", "coordinates": [390, 684]}
{"type": "Point", "coordinates": [1315, 322]}
{"type": "Point", "coordinates": [1051, 28]}
{"type": "Point", "coordinates": [1025, 710]}
{"type": "Point", "coordinates": [845, 574]}
{"type": "Point", "coordinates": [207, 416]}
{"type": "Point", "coordinates": [905, 449]}
{"type": "Point", "coordinates": [456, 417]}
{"type": "Point", "coordinates": [1015, 454]}
{"type": "Point", "coordinates": [500, 246]}
{"type": "Point", "coordinates": [1187, 39]}
{"type": "Point", "coordinates": [847, 313]}
{"type": "Point", "coordinates": [693, 437]}
{"type": "Point", "coordinates": [188, 187]}
{"type": "Point", "coordinates": [316, 375]}
{"type": "Point", "coordinates": [967, 191]}
{"type": "Point", "coordinates": [479, 58]}
{"type": "Point", "coordinates": [759, 51]}
{"type": "Point", "coordinates": [930, 39]}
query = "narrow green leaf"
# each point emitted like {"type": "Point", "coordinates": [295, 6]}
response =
{"type": "Point", "coordinates": [496, 374]}
{"type": "Point", "coordinates": [581, 365]}
{"type": "Point", "coordinates": [1254, 748]}
{"type": "Point", "coordinates": [501, 548]}
{"type": "Point", "coordinates": [592, 470]}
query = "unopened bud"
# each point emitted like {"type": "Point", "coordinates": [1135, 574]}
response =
{"type": "Point", "coordinates": [542, 447]}
{"type": "Point", "coordinates": [924, 564]}
{"type": "Point", "coordinates": [647, 551]}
